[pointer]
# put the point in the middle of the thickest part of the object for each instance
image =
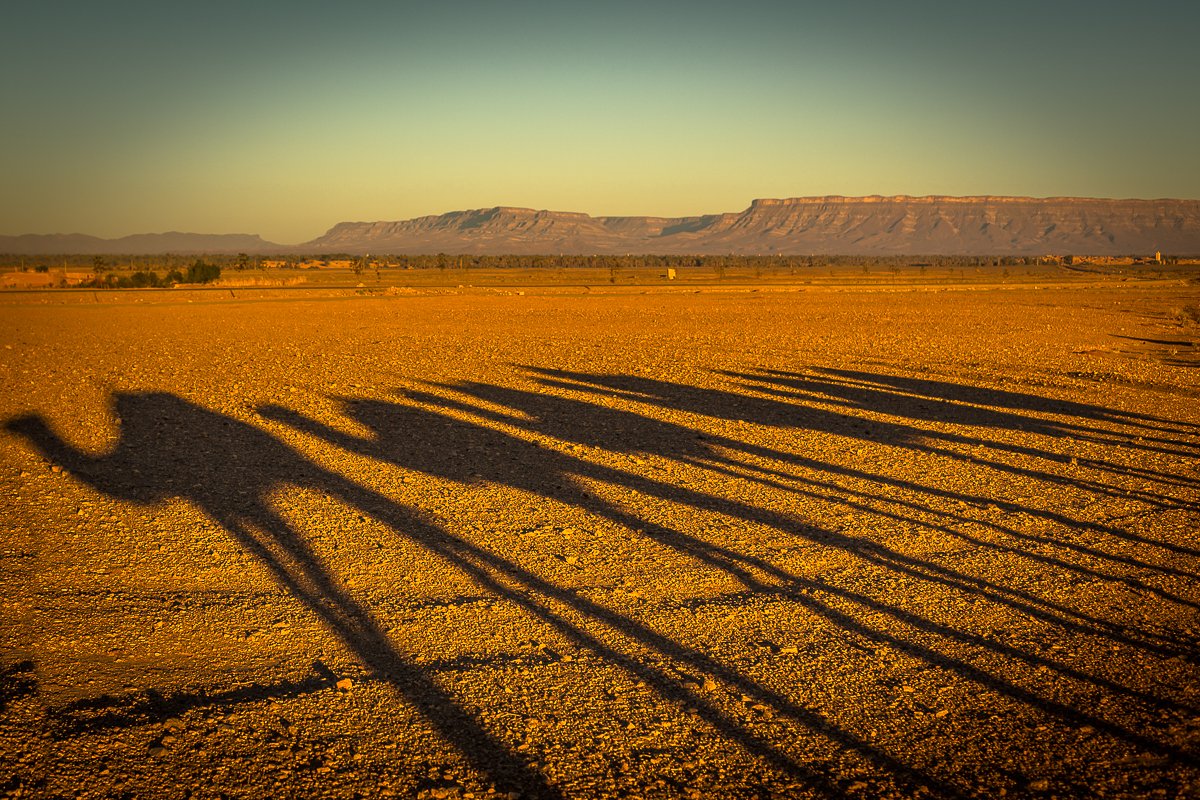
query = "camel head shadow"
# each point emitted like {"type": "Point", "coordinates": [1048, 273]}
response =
{"type": "Point", "coordinates": [170, 447]}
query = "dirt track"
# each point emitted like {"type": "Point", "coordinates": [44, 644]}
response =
{"type": "Point", "coordinates": [859, 544]}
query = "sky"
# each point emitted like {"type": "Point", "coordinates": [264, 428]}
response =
{"type": "Point", "coordinates": [284, 117]}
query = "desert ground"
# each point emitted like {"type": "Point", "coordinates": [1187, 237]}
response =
{"type": "Point", "coordinates": [779, 541]}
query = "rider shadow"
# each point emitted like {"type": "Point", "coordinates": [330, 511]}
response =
{"type": "Point", "coordinates": [425, 433]}
{"type": "Point", "coordinates": [172, 448]}
{"type": "Point", "coordinates": [785, 407]}
{"type": "Point", "coordinates": [814, 402]}
{"type": "Point", "coordinates": [595, 424]}
{"type": "Point", "coordinates": [925, 400]}
{"type": "Point", "coordinates": [426, 439]}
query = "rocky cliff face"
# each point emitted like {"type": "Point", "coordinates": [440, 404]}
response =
{"type": "Point", "coordinates": [804, 225]}
{"type": "Point", "coordinates": [794, 226]}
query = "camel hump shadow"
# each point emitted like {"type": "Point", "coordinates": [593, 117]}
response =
{"type": "Point", "coordinates": [169, 447]}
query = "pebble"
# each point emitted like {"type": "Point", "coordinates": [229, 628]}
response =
{"type": "Point", "coordinates": [344, 685]}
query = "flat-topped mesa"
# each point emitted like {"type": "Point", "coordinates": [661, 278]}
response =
{"type": "Point", "coordinates": [518, 211]}
{"type": "Point", "coordinates": [985, 225]}
{"type": "Point", "coordinates": [943, 199]}
{"type": "Point", "coordinates": [837, 199]}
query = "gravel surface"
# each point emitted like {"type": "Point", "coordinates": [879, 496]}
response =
{"type": "Point", "coordinates": [824, 543]}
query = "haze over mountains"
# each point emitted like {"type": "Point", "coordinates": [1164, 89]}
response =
{"type": "Point", "coordinates": [137, 244]}
{"type": "Point", "coordinates": [797, 226]}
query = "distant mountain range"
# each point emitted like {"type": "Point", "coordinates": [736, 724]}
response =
{"type": "Point", "coordinates": [797, 226]}
{"type": "Point", "coordinates": [138, 244]}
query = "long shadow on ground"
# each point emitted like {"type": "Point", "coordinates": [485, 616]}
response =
{"type": "Point", "coordinates": [485, 433]}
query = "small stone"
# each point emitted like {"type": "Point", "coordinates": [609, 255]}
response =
{"type": "Point", "coordinates": [790, 650]}
{"type": "Point", "coordinates": [157, 750]}
{"type": "Point", "coordinates": [1039, 785]}
{"type": "Point", "coordinates": [173, 724]}
{"type": "Point", "coordinates": [344, 685]}
{"type": "Point", "coordinates": [907, 689]}
{"type": "Point", "coordinates": [572, 560]}
{"type": "Point", "coordinates": [941, 713]}
{"type": "Point", "coordinates": [710, 685]}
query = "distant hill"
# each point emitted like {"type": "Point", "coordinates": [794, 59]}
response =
{"type": "Point", "coordinates": [800, 226]}
{"type": "Point", "coordinates": [138, 244]}
{"type": "Point", "coordinates": [875, 225]}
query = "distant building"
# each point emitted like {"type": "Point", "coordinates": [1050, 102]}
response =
{"type": "Point", "coordinates": [1157, 258]}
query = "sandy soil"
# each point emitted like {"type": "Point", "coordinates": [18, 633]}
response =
{"type": "Point", "coordinates": [786, 544]}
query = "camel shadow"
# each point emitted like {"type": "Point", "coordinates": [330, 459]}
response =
{"type": "Point", "coordinates": [485, 434]}
{"type": "Point", "coordinates": [172, 448]}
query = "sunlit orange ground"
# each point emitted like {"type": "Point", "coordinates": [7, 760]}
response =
{"type": "Point", "coordinates": [738, 544]}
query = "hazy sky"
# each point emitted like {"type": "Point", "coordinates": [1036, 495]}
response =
{"type": "Point", "coordinates": [285, 117]}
